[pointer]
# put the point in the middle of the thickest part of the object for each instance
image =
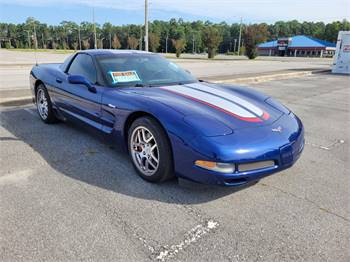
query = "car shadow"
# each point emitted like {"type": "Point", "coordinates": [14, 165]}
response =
{"type": "Point", "coordinates": [83, 155]}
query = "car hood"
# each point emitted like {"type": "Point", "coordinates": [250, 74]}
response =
{"type": "Point", "coordinates": [213, 107]}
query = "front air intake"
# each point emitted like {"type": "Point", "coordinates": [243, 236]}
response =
{"type": "Point", "coordinates": [255, 165]}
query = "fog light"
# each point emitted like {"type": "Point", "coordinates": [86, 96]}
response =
{"type": "Point", "coordinates": [215, 166]}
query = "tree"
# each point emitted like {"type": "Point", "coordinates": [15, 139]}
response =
{"type": "Point", "coordinates": [250, 42]}
{"type": "Point", "coordinates": [179, 45]}
{"type": "Point", "coordinates": [212, 39]}
{"type": "Point", "coordinates": [154, 41]}
{"type": "Point", "coordinates": [133, 42]}
{"type": "Point", "coordinates": [198, 35]}
{"type": "Point", "coordinates": [116, 43]}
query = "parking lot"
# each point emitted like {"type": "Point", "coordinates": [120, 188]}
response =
{"type": "Point", "coordinates": [68, 195]}
{"type": "Point", "coordinates": [16, 65]}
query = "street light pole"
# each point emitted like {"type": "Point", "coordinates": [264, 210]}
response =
{"type": "Point", "coordinates": [240, 37]}
{"type": "Point", "coordinates": [146, 25]}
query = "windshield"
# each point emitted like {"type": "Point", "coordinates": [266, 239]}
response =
{"type": "Point", "coordinates": [141, 70]}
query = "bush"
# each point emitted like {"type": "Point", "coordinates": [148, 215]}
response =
{"type": "Point", "coordinates": [251, 52]}
{"type": "Point", "coordinates": [179, 45]}
{"type": "Point", "coordinates": [8, 45]}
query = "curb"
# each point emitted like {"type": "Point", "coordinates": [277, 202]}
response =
{"type": "Point", "coordinates": [18, 101]}
{"type": "Point", "coordinates": [240, 80]}
{"type": "Point", "coordinates": [265, 78]}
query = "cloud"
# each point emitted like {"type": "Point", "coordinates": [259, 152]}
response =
{"type": "Point", "coordinates": [230, 10]}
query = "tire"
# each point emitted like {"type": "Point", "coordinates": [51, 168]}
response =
{"type": "Point", "coordinates": [145, 150]}
{"type": "Point", "coordinates": [44, 105]}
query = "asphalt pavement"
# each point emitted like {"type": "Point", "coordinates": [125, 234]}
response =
{"type": "Point", "coordinates": [68, 195]}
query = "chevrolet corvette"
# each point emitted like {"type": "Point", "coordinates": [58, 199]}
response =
{"type": "Point", "coordinates": [170, 123]}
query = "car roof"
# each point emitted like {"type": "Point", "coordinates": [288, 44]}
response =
{"type": "Point", "coordinates": [94, 52]}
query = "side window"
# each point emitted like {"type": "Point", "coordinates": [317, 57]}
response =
{"type": "Point", "coordinates": [84, 66]}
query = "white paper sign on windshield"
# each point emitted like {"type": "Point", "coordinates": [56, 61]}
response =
{"type": "Point", "coordinates": [124, 76]}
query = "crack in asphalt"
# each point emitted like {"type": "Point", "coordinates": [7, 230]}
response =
{"type": "Point", "coordinates": [156, 250]}
{"type": "Point", "coordinates": [119, 222]}
{"type": "Point", "coordinates": [307, 200]}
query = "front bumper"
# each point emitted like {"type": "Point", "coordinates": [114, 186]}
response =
{"type": "Point", "coordinates": [285, 158]}
{"type": "Point", "coordinates": [284, 149]}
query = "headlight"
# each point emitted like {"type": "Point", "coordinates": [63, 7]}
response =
{"type": "Point", "coordinates": [215, 166]}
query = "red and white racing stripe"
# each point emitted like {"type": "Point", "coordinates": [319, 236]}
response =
{"type": "Point", "coordinates": [220, 100]}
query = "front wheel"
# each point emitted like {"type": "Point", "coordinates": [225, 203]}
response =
{"type": "Point", "coordinates": [44, 106]}
{"type": "Point", "coordinates": [150, 150]}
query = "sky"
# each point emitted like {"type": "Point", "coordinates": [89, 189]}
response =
{"type": "Point", "coordinates": [120, 12]}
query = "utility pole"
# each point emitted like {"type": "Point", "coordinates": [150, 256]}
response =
{"type": "Point", "coordinates": [93, 21]}
{"type": "Point", "coordinates": [79, 37]}
{"type": "Point", "coordinates": [146, 25]}
{"type": "Point", "coordinates": [240, 37]}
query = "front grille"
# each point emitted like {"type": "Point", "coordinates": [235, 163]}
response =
{"type": "Point", "coordinates": [255, 165]}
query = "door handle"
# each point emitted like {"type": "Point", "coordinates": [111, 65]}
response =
{"type": "Point", "coordinates": [111, 106]}
{"type": "Point", "coordinates": [58, 80]}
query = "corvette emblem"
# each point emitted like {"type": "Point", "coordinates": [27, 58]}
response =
{"type": "Point", "coordinates": [277, 129]}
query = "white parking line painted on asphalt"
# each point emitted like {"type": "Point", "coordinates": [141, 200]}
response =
{"type": "Point", "coordinates": [31, 111]}
{"type": "Point", "coordinates": [191, 236]}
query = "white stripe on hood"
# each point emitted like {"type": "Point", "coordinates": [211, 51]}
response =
{"type": "Point", "coordinates": [215, 100]}
{"type": "Point", "coordinates": [231, 97]}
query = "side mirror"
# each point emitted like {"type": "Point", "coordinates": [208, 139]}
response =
{"type": "Point", "coordinates": [80, 80]}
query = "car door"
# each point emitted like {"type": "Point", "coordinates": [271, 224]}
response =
{"type": "Point", "coordinates": [76, 100]}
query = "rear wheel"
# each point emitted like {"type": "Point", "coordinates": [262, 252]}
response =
{"type": "Point", "coordinates": [44, 106]}
{"type": "Point", "coordinates": [150, 150]}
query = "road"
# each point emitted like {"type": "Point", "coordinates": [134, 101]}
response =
{"type": "Point", "coordinates": [68, 195]}
{"type": "Point", "coordinates": [15, 67]}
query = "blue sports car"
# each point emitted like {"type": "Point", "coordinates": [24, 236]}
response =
{"type": "Point", "coordinates": [170, 123]}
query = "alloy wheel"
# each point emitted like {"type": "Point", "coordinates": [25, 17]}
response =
{"type": "Point", "coordinates": [144, 150]}
{"type": "Point", "coordinates": [42, 104]}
